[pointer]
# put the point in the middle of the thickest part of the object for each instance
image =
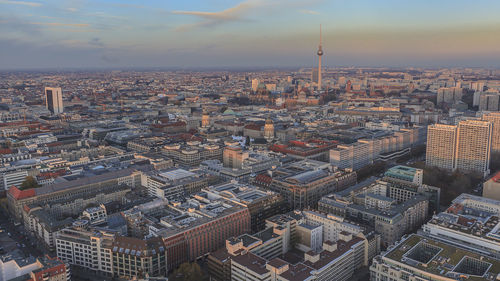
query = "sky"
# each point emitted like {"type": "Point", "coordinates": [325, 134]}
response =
{"type": "Point", "coordinates": [250, 33]}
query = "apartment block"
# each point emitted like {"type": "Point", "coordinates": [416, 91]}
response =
{"type": "Point", "coordinates": [473, 146]}
{"type": "Point", "coordinates": [441, 146]}
{"type": "Point", "coordinates": [494, 118]}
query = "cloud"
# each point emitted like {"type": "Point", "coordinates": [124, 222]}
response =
{"type": "Point", "coordinates": [236, 13]}
{"type": "Point", "coordinates": [16, 25]}
{"type": "Point", "coordinates": [61, 24]}
{"type": "Point", "coordinates": [23, 3]}
{"type": "Point", "coordinates": [71, 9]}
{"type": "Point", "coordinates": [96, 42]}
{"type": "Point", "coordinates": [309, 12]}
{"type": "Point", "coordinates": [106, 16]}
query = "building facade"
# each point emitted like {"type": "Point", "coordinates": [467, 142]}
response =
{"type": "Point", "coordinates": [474, 146]}
{"type": "Point", "coordinates": [53, 100]}
{"type": "Point", "coordinates": [441, 146]}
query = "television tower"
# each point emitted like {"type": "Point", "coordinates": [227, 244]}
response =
{"type": "Point", "coordinates": [320, 53]}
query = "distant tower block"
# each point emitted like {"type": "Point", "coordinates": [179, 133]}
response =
{"type": "Point", "coordinates": [320, 54]}
{"type": "Point", "coordinates": [53, 100]}
{"type": "Point", "coordinates": [205, 120]}
{"type": "Point", "coordinates": [269, 130]}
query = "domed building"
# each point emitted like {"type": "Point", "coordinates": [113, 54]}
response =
{"type": "Point", "coordinates": [205, 120]}
{"type": "Point", "coordinates": [269, 130]}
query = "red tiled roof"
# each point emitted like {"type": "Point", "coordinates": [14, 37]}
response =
{"type": "Point", "coordinates": [253, 127]}
{"type": "Point", "coordinates": [21, 194]}
{"type": "Point", "coordinates": [55, 174]}
{"type": "Point", "coordinates": [5, 151]}
{"type": "Point", "coordinates": [263, 178]}
{"type": "Point", "coordinates": [496, 177]}
{"type": "Point", "coordinates": [465, 221]}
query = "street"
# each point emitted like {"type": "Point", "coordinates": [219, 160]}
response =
{"type": "Point", "coordinates": [12, 237]}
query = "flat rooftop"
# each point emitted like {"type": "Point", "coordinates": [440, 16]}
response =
{"type": "Point", "coordinates": [442, 259]}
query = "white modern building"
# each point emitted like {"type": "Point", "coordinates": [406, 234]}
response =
{"type": "Point", "coordinates": [53, 100]}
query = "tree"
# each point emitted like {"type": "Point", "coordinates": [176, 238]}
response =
{"type": "Point", "coordinates": [29, 182]}
{"type": "Point", "coordinates": [187, 271]}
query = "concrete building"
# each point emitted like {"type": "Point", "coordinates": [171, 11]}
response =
{"type": "Point", "coordinates": [44, 226]}
{"type": "Point", "coordinates": [354, 156]}
{"type": "Point", "coordinates": [335, 261]}
{"type": "Point", "coordinates": [303, 183]}
{"type": "Point", "coordinates": [494, 118]}
{"type": "Point", "coordinates": [234, 156]}
{"type": "Point", "coordinates": [441, 146]}
{"type": "Point", "coordinates": [173, 184]}
{"type": "Point", "coordinates": [86, 248]}
{"type": "Point", "coordinates": [109, 254]}
{"type": "Point", "coordinates": [16, 268]}
{"type": "Point", "coordinates": [371, 205]}
{"type": "Point", "coordinates": [192, 153]}
{"type": "Point", "coordinates": [261, 204]}
{"type": "Point", "coordinates": [134, 257]}
{"type": "Point", "coordinates": [313, 149]}
{"type": "Point", "coordinates": [53, 100]}
{"type": "Point", "coordinates": [14, 178]}
{"type": "Point", "coordinates": [474, 146]}
{"type": "Point", "coordinates": [73, 196]}
{"type": "Point", "coordinates": [418, 257]}
{"type": "Point", "coordinates": [309, 237]}
{"type": "Point", "coordinates": [407, 174]}
{"type": "Point", "coordinates": [262, 256]}
{"type": "Point", "coordinates": [193, 229]}
{"type": "Point", "coordinates": [449, 95]}
{"type": "Point", "coordinates": [470, 222]}
{"type": "Point", "coordinates": [489, 102]}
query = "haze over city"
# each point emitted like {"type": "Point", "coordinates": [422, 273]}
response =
{"type": "Point", "coordinates": [253, 33]}
{"type": "Point", "coordinates": [284, 140]}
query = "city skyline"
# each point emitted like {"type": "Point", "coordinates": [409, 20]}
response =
{"type": "Point", "coordinates": [252, 33]}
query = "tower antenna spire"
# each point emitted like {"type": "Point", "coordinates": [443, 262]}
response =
{"type": "Point", "coordinates": [320, 40]}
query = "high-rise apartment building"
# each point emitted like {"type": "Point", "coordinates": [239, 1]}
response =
{"type": "Point", "coordinates": [255, 84]}
{"type": "Point", "coordinates": [449, 95]}
{"type": "Point", "coordinates": [465, 147]}
{"type": "Point", "coordinates": [489, 102]}
{"type": "Point", "coordinates": [494, 118]}
{"type": "Point", "coordinates": [53, 100]}
{"type": "Point", "coordinates": [441, 143]}
{"type": "Point", "coordinates": [473, 146]}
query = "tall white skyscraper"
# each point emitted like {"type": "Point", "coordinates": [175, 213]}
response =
{"type": "Point", "coordinates": [53, 100]}
{"type": "Point", "coordinates": [441, 146]}
{"type": "Point", "coordinates": [473, 146]}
